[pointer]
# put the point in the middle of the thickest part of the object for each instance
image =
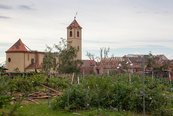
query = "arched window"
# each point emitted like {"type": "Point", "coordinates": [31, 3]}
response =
{"type": "Point", "coordinates": [32, 61]}
{"type": "Point", "coordinates": [9, 59]}
{"type": "Point", "coordinates": [71, 34]}
{"type": "Point", "coordinates": [77, 33]}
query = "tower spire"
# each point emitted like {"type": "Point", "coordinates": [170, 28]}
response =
{"type": "Point", "coordinates": [75, 16]}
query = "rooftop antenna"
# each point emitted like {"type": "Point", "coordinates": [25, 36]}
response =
{"type": "Point", "coordinates": [75, 15]}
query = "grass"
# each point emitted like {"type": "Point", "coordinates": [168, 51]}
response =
{"type": "Point", "coordinates": [42, 109]}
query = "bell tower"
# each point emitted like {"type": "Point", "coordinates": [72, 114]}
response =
{"type": "Point", "coordinates": [74, 37]}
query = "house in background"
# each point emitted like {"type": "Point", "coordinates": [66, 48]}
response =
{"type": "Point", "coordinates": [155, 65]}
{"type": "Point", "coordinates": [87, 67]}
{"type": "Point", "coordinates": [19, 58]}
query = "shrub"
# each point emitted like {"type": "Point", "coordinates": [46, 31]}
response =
{"type": "Point", "coordinates": [58, 83]}
{"type": "Point", "coordinates": [115, 93]}
{"type": "Point", "coordinates": [4, 100]}
{"type": "Point", "coordinates": [74, 98]}
{"type": "Point", "coordinates": [163, 112]}
{"type": "Point", "coordinates": [4, 97]}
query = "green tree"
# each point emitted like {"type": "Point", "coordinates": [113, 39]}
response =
{"type": "Point", "coordinates": [150, 61]}
{"type": "Point", "coordinates": [62, 60]}
{"type": "Point", "coordinates": [49, 60]}
{"type": "Point", "coordinates": [67, 62]}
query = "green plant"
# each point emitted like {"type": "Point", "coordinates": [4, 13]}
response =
{"type": "Point", "coordinates": [74, 98]}
{"type": "Point", "coordinates": [116, 93]}
{"type": "Point", "coordinates": [58, 83]}
{"type": "Point", "coordinates": [4, 100]}
{"type": "Point", "coordinates": [4, 87]}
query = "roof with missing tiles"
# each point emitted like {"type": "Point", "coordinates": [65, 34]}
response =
{"type": "Point", "coordinates": [74, 24]}
{"type": "Point", "coordinates": [19, 46]}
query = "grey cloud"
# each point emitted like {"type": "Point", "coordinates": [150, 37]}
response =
{"type": "Point", "coordinates": [63, 23]}
{"type": "Point", "coordinates": [25, 7]}
{"type": "Point", "coordinates": [5, 44]}
{"type": "Point", "coordinates": [5, 17]}
{"type": "Point", "coordinates": [161, 40]}
{"type": "Point", "coordinates": [22, 7]}
{"type": "Point", "coordinates": [151, 40]}
{"type": "Point", "coordinates": [101, 42]}
{"type": "Point", "coordinates": [5, 6]}
{"type": "Point", "coordinates": [154, 12]}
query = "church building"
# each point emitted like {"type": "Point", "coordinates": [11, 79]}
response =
{"type": "Point", "coordinates": [19, 58]}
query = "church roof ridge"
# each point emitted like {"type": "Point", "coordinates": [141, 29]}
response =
{"type": "Point", "coordinates": [19, 46]}
{"type": "Point", "coordinates": [74, 24]}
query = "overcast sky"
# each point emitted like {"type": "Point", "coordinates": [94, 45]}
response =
{"type": "Point", "coordinates": [126, 26]}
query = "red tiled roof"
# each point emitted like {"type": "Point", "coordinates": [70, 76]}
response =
{"type": "Point", "coordinates": [88, 63]}
{"type": "Point", "coordinates": [18, 47]}
{"type": "Point", "coordinates": [74, 24]}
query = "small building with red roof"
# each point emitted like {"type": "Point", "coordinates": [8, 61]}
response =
{"type": "Point", "coordinates": [19, 58]}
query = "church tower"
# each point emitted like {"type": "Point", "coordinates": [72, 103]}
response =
{"type": "Point", "coordinates": [74, 37]}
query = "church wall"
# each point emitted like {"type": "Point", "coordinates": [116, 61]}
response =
{"type": "Point", "coordinates": [74, 38]}
{"type": "Point", "coordinates": [28, 57]}
{"type": "Point", "coordinates": [76, 44]}
{"type": "Point", "coordinates": [19, 61]}
{"type": "Point", "coordinates": [41, 56]}
{"type": "Point", "coordinates": [15, 62]}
